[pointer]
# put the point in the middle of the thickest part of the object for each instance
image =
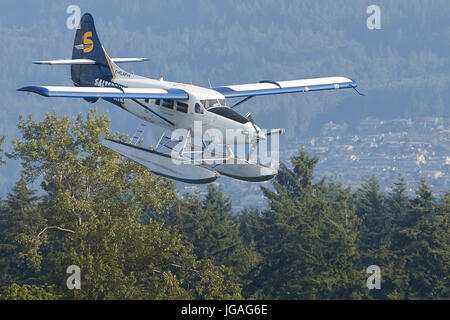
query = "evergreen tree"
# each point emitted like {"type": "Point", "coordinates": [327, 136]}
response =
{"type": "Point", "coordinates": [210, 227]}
{"type": "Point", "coordinates": [395, 275]}
{"type": "Point", "coordinates": [371, 207]}
{"type": "Point", "coordinates": [424, 239]}
{"type": "Point", "coordinates": [247, 223]}
{"type": "Point", "coordinates": [445, 204]}
{"type": "Point", "coordinates": [306, 241]}
{"type": "Point", "coordinates": [376, 233]}
{"type": "Point", "coordinates": [398, 202]}
{"type": "Point", "coordinates": [18, 215]}
{"type": "Point", "coordinates": [221, 241]}
{"type": "Point", "coordinates": [5, 246]}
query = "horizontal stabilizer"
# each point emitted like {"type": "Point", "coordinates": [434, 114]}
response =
{"type": "Point", "coordinates": [65, 62]}
{"type": "Point", "coordinates": [127, 60]}
{"type": "Point", "coordinates": [107, 92]}
{"type": "Point", "coordinates": [87, 61]}
{"type": "Point", "coordinates": [162, 164]}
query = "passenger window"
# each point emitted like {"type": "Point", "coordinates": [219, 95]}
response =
{"type": "Point", "coordinates": [147, 100]}
{"type": "Point", "coordinates": [198, 108]}
{"type": "Point", "coordinates": [157, 102]}
{"type": "Point", "coordinates": [167, 104]}
{"type": "Point", "coordinates": [183, 107]}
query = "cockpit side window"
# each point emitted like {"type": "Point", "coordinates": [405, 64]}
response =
{"type": "Point", "coordinates": [198, 108]}
{"type": "Point", "coordinates": [212, 103]}
{"type": "Point", "coordinates": [229, 113]}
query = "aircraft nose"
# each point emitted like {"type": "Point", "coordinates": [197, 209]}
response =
{"type": "Point", "coordinates": [259, 134]}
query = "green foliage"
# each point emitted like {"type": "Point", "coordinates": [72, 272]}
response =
{"type": "Point", "coordinates": [123, 259]}
{"type": "Point", "coordinates": [376, 221]}
{"type": "Point", "coordinates": [210, 226]}
{"type": "Point", "coordinates": [423, 242]}
{"type": "Point", "coordinates": [17, 215]}
{"type": "Point", "coordinates": [133, 237]}
{"type": "Point", "coordinates": [28, 292]}
{"type": "Point", "coordinates": [407, 238]}
{"type": "Point", "coordinates": [375, 232]}
{"type": "Point", "coordinates": [306, 240]}
{"type": "Point", "coordinates": [398, 202]}
{"type": "Point", "coordinates": [91, 216]}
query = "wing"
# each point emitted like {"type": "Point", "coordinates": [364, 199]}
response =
{"type": "Point", "coordinates": [107, 92]}
{"type": "Point", "coordinates": [267, 87]}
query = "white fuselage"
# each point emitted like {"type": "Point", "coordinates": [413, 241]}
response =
{"type": "Point", "coordinates": [199, 114]}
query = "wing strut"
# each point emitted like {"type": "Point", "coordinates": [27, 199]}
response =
{"type": "Point", "coordinates": [154, 112]}
{"type": "Point", "coordinates": [249, 97]}
{"type": "Point", "coordinates": [242, 101]}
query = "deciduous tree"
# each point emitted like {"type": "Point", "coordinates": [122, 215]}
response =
{"type": "Point", "coordinates": [92, 217]}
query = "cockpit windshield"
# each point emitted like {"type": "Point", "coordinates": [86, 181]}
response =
{"type": "Point", "coordinates": [213, 103]}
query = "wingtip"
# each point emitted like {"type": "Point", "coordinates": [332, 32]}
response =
{"type": "Point", "coordinates": [39, 90]}
{"type": "Point", "coordinates": [354, 85]}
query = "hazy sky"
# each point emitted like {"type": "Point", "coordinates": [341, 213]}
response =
{"type": "Point", "coordinates": [404, 68]}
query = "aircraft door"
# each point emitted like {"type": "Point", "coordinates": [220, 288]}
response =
{"type": "Point", "coordinates": [198, 112]}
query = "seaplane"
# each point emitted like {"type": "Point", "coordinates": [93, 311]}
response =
{"type": "Point", "coordinates": [200, 151]}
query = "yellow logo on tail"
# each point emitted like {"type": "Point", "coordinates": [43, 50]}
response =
{"type": "Point", "coordinates": [88, 43]}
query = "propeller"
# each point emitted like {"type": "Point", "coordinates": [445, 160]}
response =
{"type": "Point", "coordinates": [259, 134]}
{"type": "Point", "coordinates": [249, 116]}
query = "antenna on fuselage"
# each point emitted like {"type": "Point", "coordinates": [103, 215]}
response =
{"type": "Point", "coordinates": [210, 86]}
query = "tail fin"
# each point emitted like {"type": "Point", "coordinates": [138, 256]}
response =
{"type": "Point", "coordinates": [87, 46]}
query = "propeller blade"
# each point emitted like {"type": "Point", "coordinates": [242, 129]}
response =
{"type": "Point", "coordinates": [249, 116]}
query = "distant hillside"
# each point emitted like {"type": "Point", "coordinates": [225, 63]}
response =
{"type": "Point", "coordinates": [404, 69]}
